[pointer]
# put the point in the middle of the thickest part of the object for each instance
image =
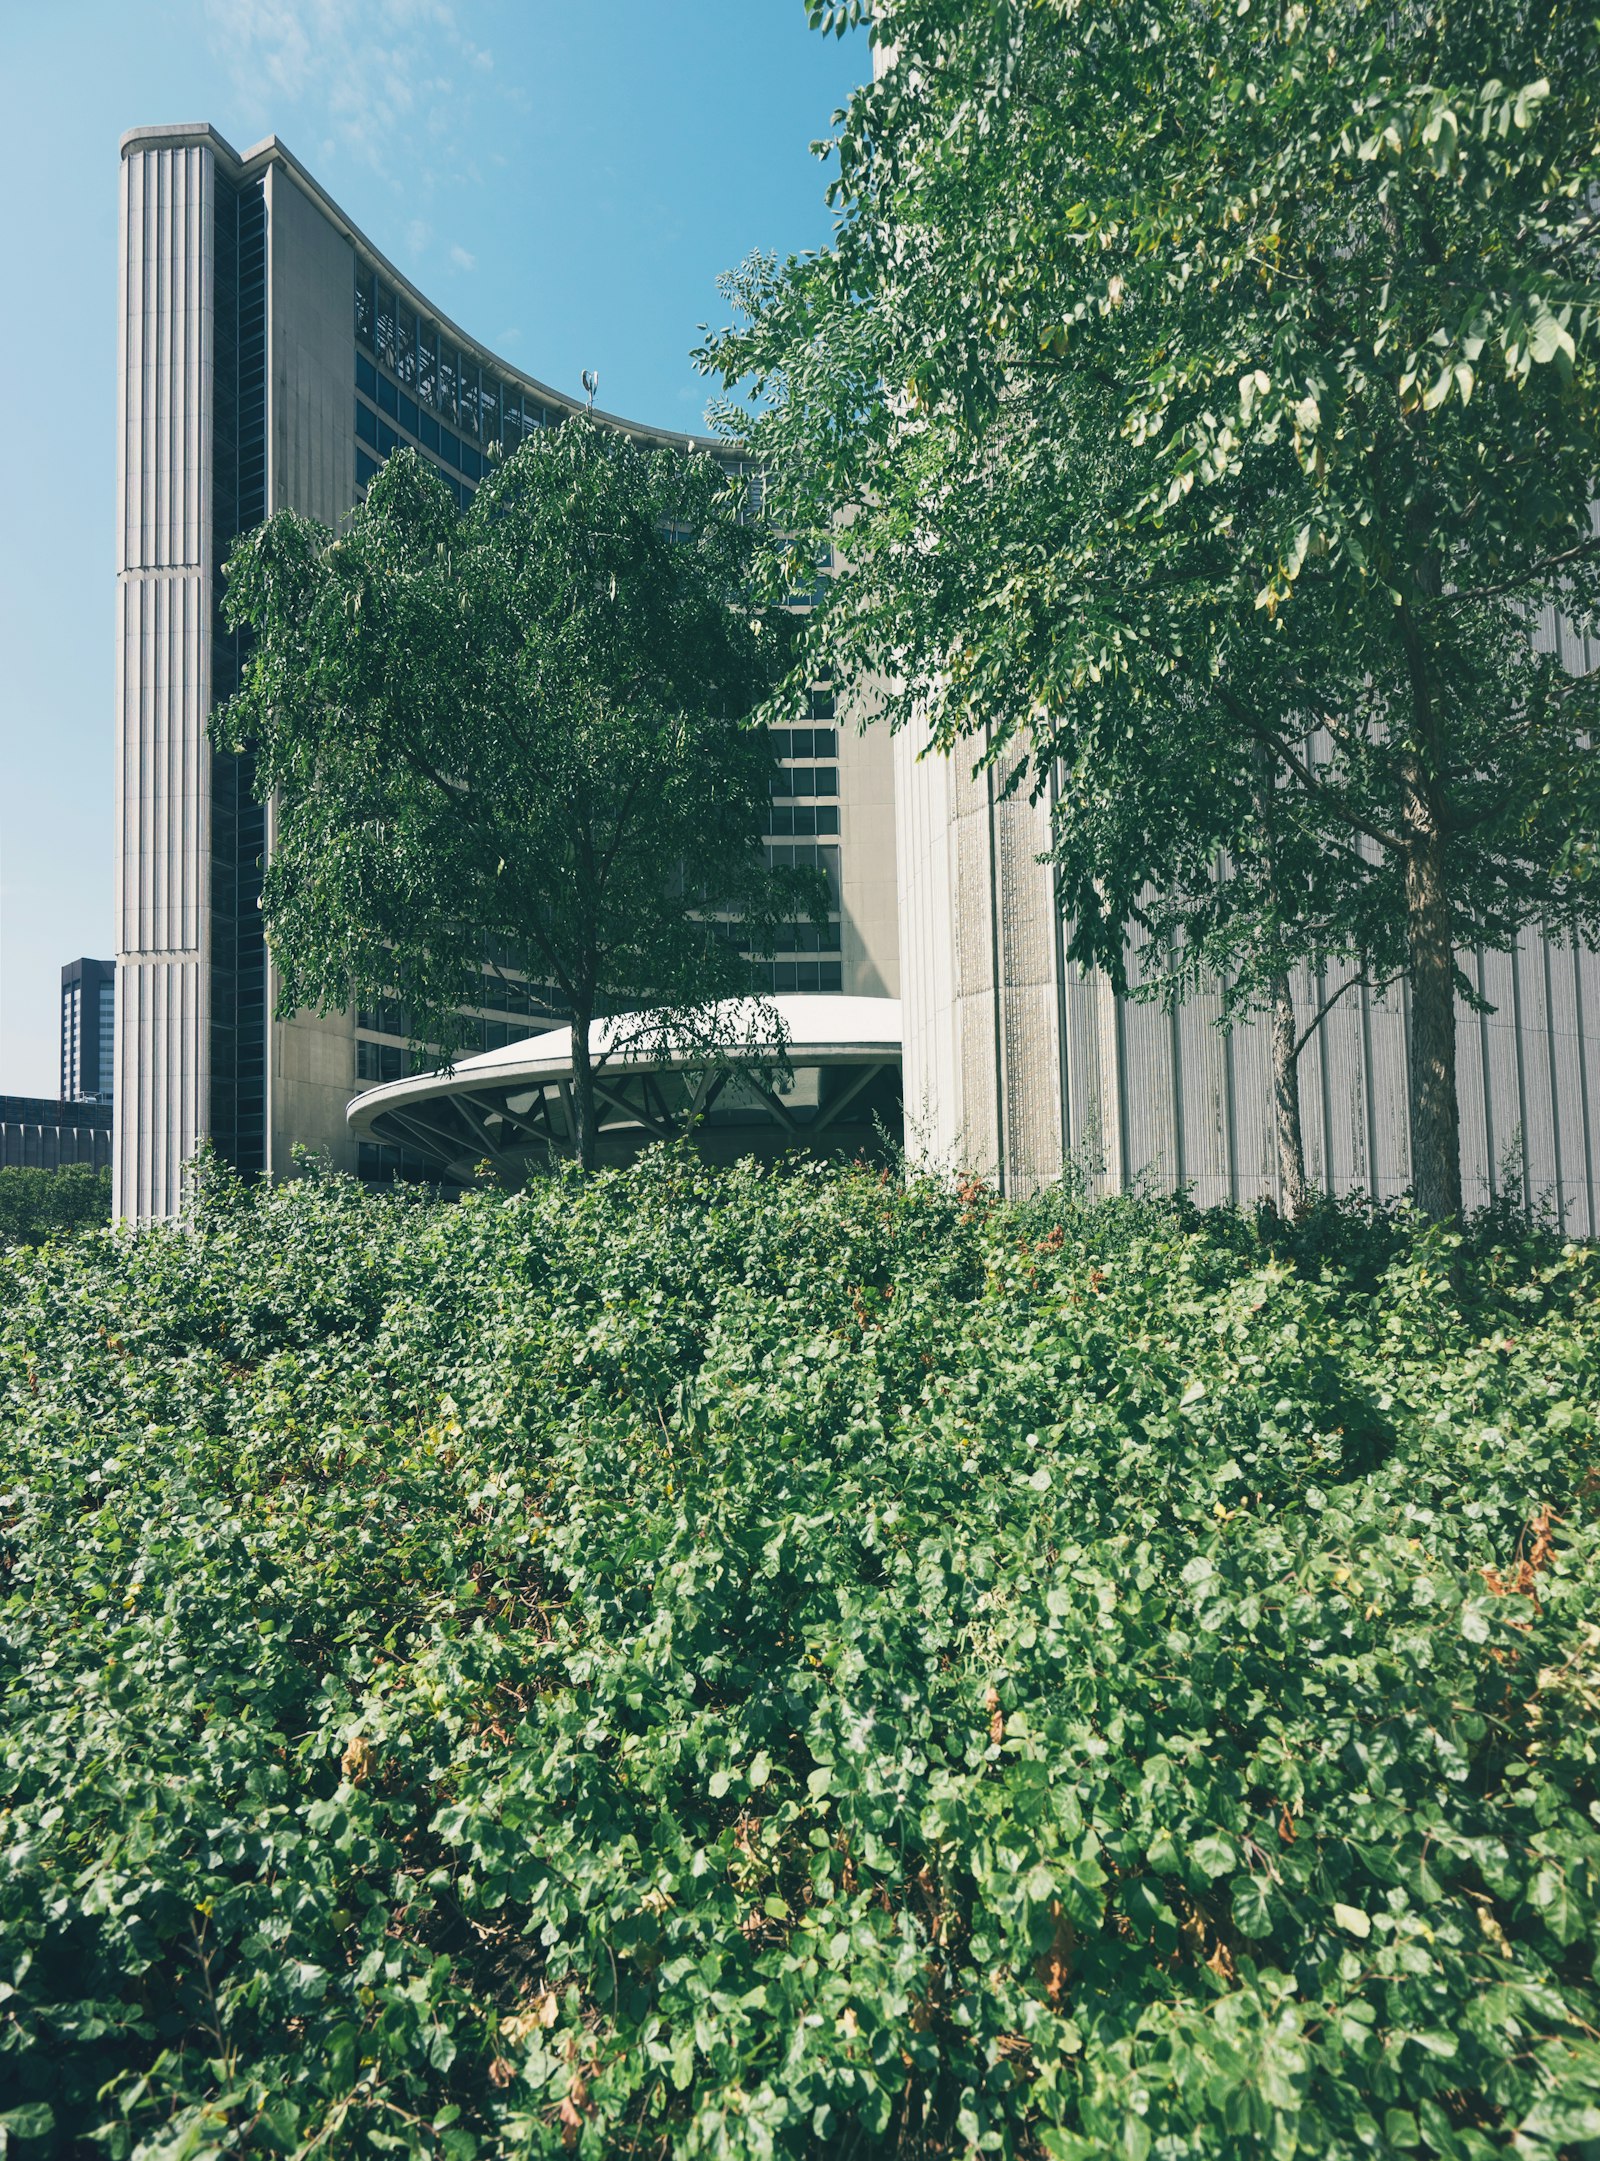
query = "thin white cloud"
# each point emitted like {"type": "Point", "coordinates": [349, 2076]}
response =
{"type": "Point", "coordinates": [460, 257]}
{"type": "Point", "coordinates": [375, 77]}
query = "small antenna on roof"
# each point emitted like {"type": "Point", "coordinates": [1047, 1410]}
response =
{"type": "Point", "coordinates": [591, 383]}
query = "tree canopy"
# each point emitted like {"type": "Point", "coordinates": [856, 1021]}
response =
{"type": "Point", "coordinates": [1213, 391]}
{"type": "Point", "coordinates": [517, 734]}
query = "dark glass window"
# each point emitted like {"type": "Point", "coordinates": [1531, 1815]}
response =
{"type": "Point", "coordinates": [807, 855]}
{"type": "Point", "coordinates": [471, 462]}
{"type": "Point", "coordinates": [511, 423]}
{"type": "Point", "coordinates": [387, 439]}
{"type": "Point", "coordinates": [366, 424]}
{"type": "Point", "coordinates": [405, 342]}
{"type": "Point", "coordinates": [364, 314]}
{"type": "Point", "coordinates": [428, 362]}
{"type": "Point", "coordinates": [450, 448]}
{"type": "Point", "coordinates": [806, 779]}
{"type": "Point", "coordinates": [387, 1017]}
{"type": "Point", "coordinates": [366, 377]}
{"type": "Point", "coordinates": [809, 781]}
{"type": "Point", "coordinates": [469, 397]}
{"type": "Point", "coordinates": [366, 468]}
{"type": "Point", "coordinates": [822, 703]}
{"type": "Point", "coordinates": [386, 326]}
{"type": "Point", "coordinates": [448, 363]}
{"type": "Point", "coordinates": [798, 818]}
{"type": "Point", "coordinates": [379, 1061]}
{"type": "Point", "coordinates": [430, 432]}
{"type": "Point", "coordinates": [388, 396]}
{"type": "Point", "coordinates": [489, 408]}
{"type": "Point", "coordinates": [809, 938]}
{"type": "Point", "coordinates": [407, 415]}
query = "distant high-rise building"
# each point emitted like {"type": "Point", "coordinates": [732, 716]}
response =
{"type": "Point", "coordinates": [88, 1030]}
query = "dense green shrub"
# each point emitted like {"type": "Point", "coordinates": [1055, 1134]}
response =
{"type": "Point", "coordinates": [36, 1205]}
{"type": "Point", "coordinates": [744, 1663]}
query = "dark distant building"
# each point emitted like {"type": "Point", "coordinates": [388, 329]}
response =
{"type": "Point", "coordinates": [88, 1030]}
{"type": "Point", "coordinates": [38, 1133]}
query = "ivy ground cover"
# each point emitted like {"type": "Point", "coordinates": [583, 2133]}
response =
{"type": "Point", "coordinates": [805, 1663]}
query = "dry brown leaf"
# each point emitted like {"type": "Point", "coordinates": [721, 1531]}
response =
{"type": "Point", "coordinates": [358, 1759]}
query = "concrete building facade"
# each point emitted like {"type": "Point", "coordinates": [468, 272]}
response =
{"type": "Point", "coordinates": [1023, 1067]}
{"type": "Point", "coordinates": [270, 358]}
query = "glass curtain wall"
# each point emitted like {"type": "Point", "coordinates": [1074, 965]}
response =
{"type": "Point", "coordinates": [238, 977]}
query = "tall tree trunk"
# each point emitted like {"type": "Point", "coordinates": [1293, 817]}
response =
{"type": "Point", "coordinates": [1285, 1056]}
{"type": "Point", "coordinates": [584, 1115]}
{"type": "Point", "coordinates": [1286, 1103]}
{"type": "Point", "coordinates": [1435, 1113]}
{"type": "Point", "coordinates": [1430, 947]}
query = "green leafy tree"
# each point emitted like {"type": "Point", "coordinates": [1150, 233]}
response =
{"type": "Point", "coordinates": [1216, 386]}
{"type": "Point", "coordinates": [36, 1205]}
{"type": "Point", "coordinates": [519, 731]}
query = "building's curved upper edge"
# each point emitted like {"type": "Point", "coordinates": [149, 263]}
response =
{"type": "Point", "coordinates": [191, 134]}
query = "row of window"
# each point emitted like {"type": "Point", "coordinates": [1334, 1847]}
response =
{"type": "Point", "coordinates": [441, 441]}
{"type": "Point", "coordinates": [511, 994]}
{"type": "Point", "coordinates": [797, 975]}
{"type": "Point", "coordinates": [497, 994]}
{"type": "Point", "coordinates": [806, 742]}
{"type": "Point", "coordinates": [809, 938]}
{"type": "Point", "coordinates": [797, 818]}
{"type": "Point", "coordinates": [439, 374]}
{"type": "Point", "coordinates": [376, 1159]}
{"type": "Point", "coordinates": [806, 780]}
{"type": "Point", "coordinates": [379, 1061]}
{"type": "Point", "coordinates": [390, 1061]}
{"type": "Point", "coordinates": [383, 439]}
{"type": "Point", "coordinates": [367, 471]}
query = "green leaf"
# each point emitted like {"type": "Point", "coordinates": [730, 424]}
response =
{"type": "Point", "coordinates": [1252, 1906]}
{"type": "Point", "coordinates": [1215, 1854]}
{"type": "Point", "coordinates": [33, 2119]}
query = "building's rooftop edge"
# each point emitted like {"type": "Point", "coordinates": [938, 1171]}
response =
{"type": "Point", "coordinates": [186, 134]}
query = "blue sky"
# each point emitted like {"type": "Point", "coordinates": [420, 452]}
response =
{"type": "Point", "coordinates": [564, 177]}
